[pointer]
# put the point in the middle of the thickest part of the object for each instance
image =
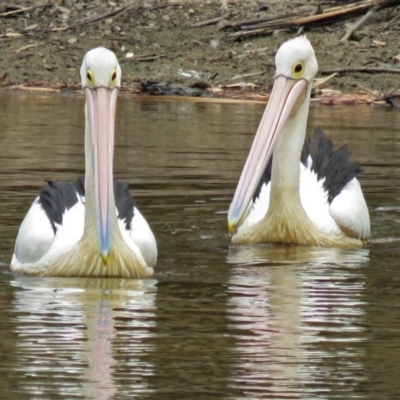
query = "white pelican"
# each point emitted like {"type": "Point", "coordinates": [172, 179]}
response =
{"type": "Point", "coordinates": [89, 228]}
{"type": "Point", "coordinates": [293, 190]}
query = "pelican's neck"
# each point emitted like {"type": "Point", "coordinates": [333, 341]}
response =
{"type": "Point", "coordinates": [89, 178]}
{"type": "Point", "coordinates": [285, 176]}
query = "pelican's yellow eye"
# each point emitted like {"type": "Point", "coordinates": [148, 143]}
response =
{"type": "Point", "coordinates": [89, 77]}
{"type": "Point", "coordinates": [113, 77]}
{"type": "Point", "coordinates": [298, 69]}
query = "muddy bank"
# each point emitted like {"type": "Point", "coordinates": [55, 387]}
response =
{"type": "Point", "coordinates": [162, 42]}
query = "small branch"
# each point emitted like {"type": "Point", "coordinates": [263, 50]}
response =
{"type": "Point", "coordinates": [357, 24]}
{"type": "Point", "coordinates": [115, 13]}
{"type": "Point", "coordinates": [317, 10]}
{"type": "Point", "coordinates": [322, 82]}
{"type": "Point", "coordinates": [33, 89]}
{"type": "Point", "coordinates": [250, 75]}
{"type": "Point", "coordinates": [367, 70]}
{"type": "Point", "coordinates": [207, 23]}
{"type": "Point", "coordinates": [23, 10]}
{"type": "Point", "coordinates": [255, 22]}
{"type": "Point", "coordinates": [391, 22]}
{"type": "Point", "coordinates": [28, 46]}
{"type": "Point", "coordinates": [252, 52]}
{"type": "Point", "coordinates": [331, 15]}
{"type": "Point", "coordinates": [167, 5]}
{"type": "Point", "coordinates": [254, 32]}
{"type": "Point", "coordinates": [125, 10]}
{"type": "Point", "coordinates": [88, 21]}
{"type": "Point", "coordinates": [145, 58]}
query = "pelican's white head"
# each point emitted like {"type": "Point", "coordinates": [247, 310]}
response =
{"type": "Point", "coordinates": [101, 80]}
{"type": "Point", "coordinates": [100, 68]}
{"type": "Point", "coordinates": [296, 59]}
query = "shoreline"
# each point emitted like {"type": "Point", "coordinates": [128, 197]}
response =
{"type": "Point", "coordinates": [327, 96]}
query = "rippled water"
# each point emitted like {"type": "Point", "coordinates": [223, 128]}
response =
{"type": "Point", "coordinates": [216, 321]}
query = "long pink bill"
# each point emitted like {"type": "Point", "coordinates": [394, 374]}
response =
{"type": "Point", "coordinates": [285, 97]}
{"type": "Point", "coordinates": [101, 105]}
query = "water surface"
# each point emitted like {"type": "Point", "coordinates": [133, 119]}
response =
{"type": "Point", "coordinates": [216, 321]}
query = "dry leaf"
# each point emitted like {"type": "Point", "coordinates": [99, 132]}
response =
{"type": "Point", "coordinates": [13, 34]}
{"type": "Point", "coordinates": [31, 27]}
{"type": "Point", "coordinates": [378, 43]}
{"type": "Point", "coordinates": [63, 10]}
{"type": "Point", "coordinates": [29, 46]}
{"type": "Point", "coordinates": [50, 68]}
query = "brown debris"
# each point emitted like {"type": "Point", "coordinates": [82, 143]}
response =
{"type": "Point", "coordinates": [329, 16]}
{"type": "Point", "coordinates": [234, 93]}
{"type": "Point", "coordinates": [393, 99]}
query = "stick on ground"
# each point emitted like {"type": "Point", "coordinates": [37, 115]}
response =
{"type": "Point", "coordinates": [317, 10]}
{"type": "Point", "coordinates": [368, 70]}
{"type": "Point", "coordinates": [357, 24]}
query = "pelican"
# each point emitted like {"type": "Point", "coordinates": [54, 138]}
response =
{"type": "Point", "coordinates": [292, 189]}
{"type": "Point", "coordinates": [89, 227]}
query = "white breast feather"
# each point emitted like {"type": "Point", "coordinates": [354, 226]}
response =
{"type": "Point", "coordinates": [314, 199]}
{"type": "Point", "coordinates": [348, 209]}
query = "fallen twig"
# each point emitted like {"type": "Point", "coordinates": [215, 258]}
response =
{"type": "Point", "coordinates": [252, 52]}
{"type": "Point", "coordinates": [321, 82]}
{"type": "Point", "coordinates": [357, 24]}
{"type": "Point", "coordinates": [23, 48]}
{"type": "Point", "coordinates": [167, 4]}
{"type": "Point", "coordinates": [207, 23]}
{"type": "Point", "coordinates": [250, 75]}
{"type": "Point", "coordinates": [126, 9]}
{"type": "Point", "coordinates": [98, 18]}
{"type": "Point", "coordinates": [258, 21]}
{"type": "Point", "coordinates": [34, 89]}
{"type": "Point", "coordinates": [331, 15]}
{"type": "Point", "coordinates": [115, 13]}
{"type": "Point", "coordinates": [317, 10]}
{"type": "Point", "coordinates": [146, 58]}
{"type": "Point", "coordinates": [368, 70]}
{"type": "Point", "coordinates": [23, 10]}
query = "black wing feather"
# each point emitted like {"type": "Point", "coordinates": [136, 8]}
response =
{"type": "Point", "coordinates": [124, 202]}
{"type": "Point", "coordinates": [57, 197]}
{"type": "Point", "coordinates": [333, 165]}
{"type": "Point", "coordinates": [266, 178]}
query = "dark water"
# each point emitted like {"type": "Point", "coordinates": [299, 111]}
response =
{"type": "Point", "coordinates": [216, 321]}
